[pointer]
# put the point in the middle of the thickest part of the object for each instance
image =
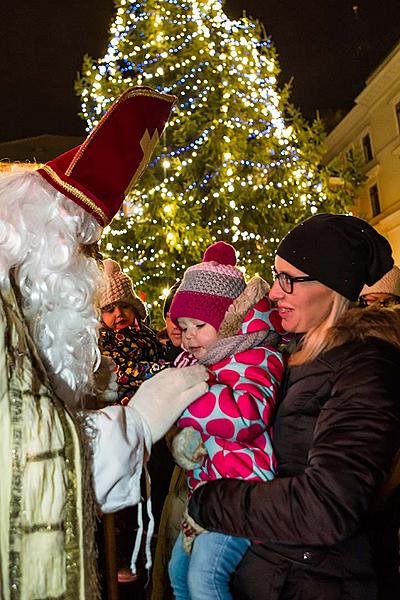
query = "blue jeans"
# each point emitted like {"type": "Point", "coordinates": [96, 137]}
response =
{"type": "Point", "coordinates": [206, 572]}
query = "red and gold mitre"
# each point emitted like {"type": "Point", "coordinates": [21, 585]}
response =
{"type": "Point", "coordinates": [98, 174]}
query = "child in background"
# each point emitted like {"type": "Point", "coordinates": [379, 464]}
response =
{"type": "Point", "coordinates": [171, 336]}
{"type": "Point", "coordinates": [135, 350]}
{"type": "Point", "coordinates": [161, 464]}
{"type": "Point", "coordinates": [124, 337]}
{"type": "Point", "coordinates": [230, 327]}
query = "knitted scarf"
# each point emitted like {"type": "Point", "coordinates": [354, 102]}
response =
{"type": "Point", "coordinates": [231, 342]}
{"type": "Point", "coordinates": [239, 343]}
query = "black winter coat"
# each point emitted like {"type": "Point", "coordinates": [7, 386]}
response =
{"type": "Point", "coordinates": [336, 433]}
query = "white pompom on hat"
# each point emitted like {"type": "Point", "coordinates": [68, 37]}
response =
{"type": "Point", "coordinates": [120, 289]}
{"type": "Point", "coordinates": [389, 284]}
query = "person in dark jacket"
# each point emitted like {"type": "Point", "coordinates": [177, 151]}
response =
{"type": "Point", "coordinates": [171, 336]}
{"type": "Point", "coordinates": [336, 432]}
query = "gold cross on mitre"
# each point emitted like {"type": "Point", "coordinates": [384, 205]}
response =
{"type": "Point", "coordinates": [147, 144]}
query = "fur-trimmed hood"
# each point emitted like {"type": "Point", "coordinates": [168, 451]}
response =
{"type": "Point", "coordinates": [241, 311]}
{"type": "Point", "coordinates": [249, 322]}
{"type": "Point", "coordinates": [362, 323]}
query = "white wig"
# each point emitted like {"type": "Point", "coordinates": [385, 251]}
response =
{"type": "Point", "coordinates": [41, 234]}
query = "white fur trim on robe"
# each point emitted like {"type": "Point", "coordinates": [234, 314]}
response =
{"type": "Point", "coordinates": [121, 446]}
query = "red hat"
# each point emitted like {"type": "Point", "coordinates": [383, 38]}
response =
{"type": "Point", "coordinates": [99, 173]}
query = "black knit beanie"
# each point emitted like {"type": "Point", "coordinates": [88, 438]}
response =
{"type": "Point", "coordinates": [340, 251]}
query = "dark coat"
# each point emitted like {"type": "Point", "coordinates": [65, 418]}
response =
{"type": "Point", "coordinates": [336, 433]}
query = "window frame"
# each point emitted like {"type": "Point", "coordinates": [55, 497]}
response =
{"type": "Point", "coordinates": [374, 199]}
{"type": "Point", "coordinates": [367, 147]}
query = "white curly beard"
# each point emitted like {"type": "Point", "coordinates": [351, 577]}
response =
{"type": "Point", "coordinates": [41, 232]}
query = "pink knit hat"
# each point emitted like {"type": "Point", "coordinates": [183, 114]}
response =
{"type": "Point", "coordinates": [209, 288]}
{"type": "Point", "coordinates": [120, 289]}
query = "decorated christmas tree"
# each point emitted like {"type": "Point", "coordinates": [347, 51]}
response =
{"type": "Point", "coordinates": [236, 161]}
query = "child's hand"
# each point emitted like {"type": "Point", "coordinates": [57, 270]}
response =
{"type": "Point", "coordinates": [190, 530]}
{"type": "Point", "coordinates": [199, 454]}
{"type": "Point", "coordinates": [187, 529]}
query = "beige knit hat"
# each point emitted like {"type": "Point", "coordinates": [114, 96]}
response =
{"type": "Point", "coordinates": [120, 289]}
{"type": "Point", "coordinates": [389, 284]}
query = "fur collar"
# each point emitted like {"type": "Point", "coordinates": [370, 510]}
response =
{"type": "Point", "coordinates": [362, 323]}
{"type": "Point", "coordinates": [256, 289]}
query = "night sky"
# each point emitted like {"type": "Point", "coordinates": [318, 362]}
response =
{"type": "Point", "coordinates": [327, 48]}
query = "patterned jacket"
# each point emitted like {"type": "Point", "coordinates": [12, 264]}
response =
{"type": "Point", "coordinates": [234, 417]}
{"type": "Point", "coordinates": [137, 354]}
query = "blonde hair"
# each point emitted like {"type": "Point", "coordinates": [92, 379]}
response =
{"type": "Point", "coordinates": [317, 340]}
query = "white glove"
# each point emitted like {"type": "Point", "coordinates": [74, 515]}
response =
{"type": "Point", "coordinates": [105, 380]}
{"type": "Point", "coordinates": [163, 398]}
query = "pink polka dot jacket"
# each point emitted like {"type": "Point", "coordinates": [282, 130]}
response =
{"type": "Point", "coordinates": [234, 417]}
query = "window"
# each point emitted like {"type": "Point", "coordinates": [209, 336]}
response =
{"type": "Point", "coordinates": [367, 148]}
{"type": "Point", "coordinates": [397, 109]}
{"type": "Point", "coordinates": [374, 198]}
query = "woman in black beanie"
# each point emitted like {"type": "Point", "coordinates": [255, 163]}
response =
{"type": "Point", "coordinates": [320, 530]}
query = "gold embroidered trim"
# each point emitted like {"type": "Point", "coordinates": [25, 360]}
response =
{"type": "Point", "coordinates": [43, 527]}
{"type": "Point", "coordinates": [45, 455]}
{"type": "Point", "coordinates": [71, 522]}
{"type": "Point", "coordinates": [16, 490]}
{"type": "Point", "coordinates": [73, 190]}
{"type": "Point", "coordinates": [61, 597]}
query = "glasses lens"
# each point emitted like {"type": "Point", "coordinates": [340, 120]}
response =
{"type": "Point", "coordinates": [390, 301]}
{"type": "Point", "coordinates": [285, 283]}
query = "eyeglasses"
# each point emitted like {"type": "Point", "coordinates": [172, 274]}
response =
{"type": "Point", "coordinates": [286, 281]}
{"type": "Point", "coordinates": [385, 302]}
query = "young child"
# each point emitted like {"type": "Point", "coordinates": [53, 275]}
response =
{"type": "Point", "coordinates": [137, 353]}
{"type": "Point", "coordinates": [230, 327]}
{"type": "Point", "coordinates": [124, 337]}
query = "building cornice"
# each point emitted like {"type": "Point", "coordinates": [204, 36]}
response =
{"type": "Point", "coordinates": [387, 220]}
{"type": "Point", "coordinates": [376, 87]}
{"type": "Point", "coordinates": [381, 80]}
